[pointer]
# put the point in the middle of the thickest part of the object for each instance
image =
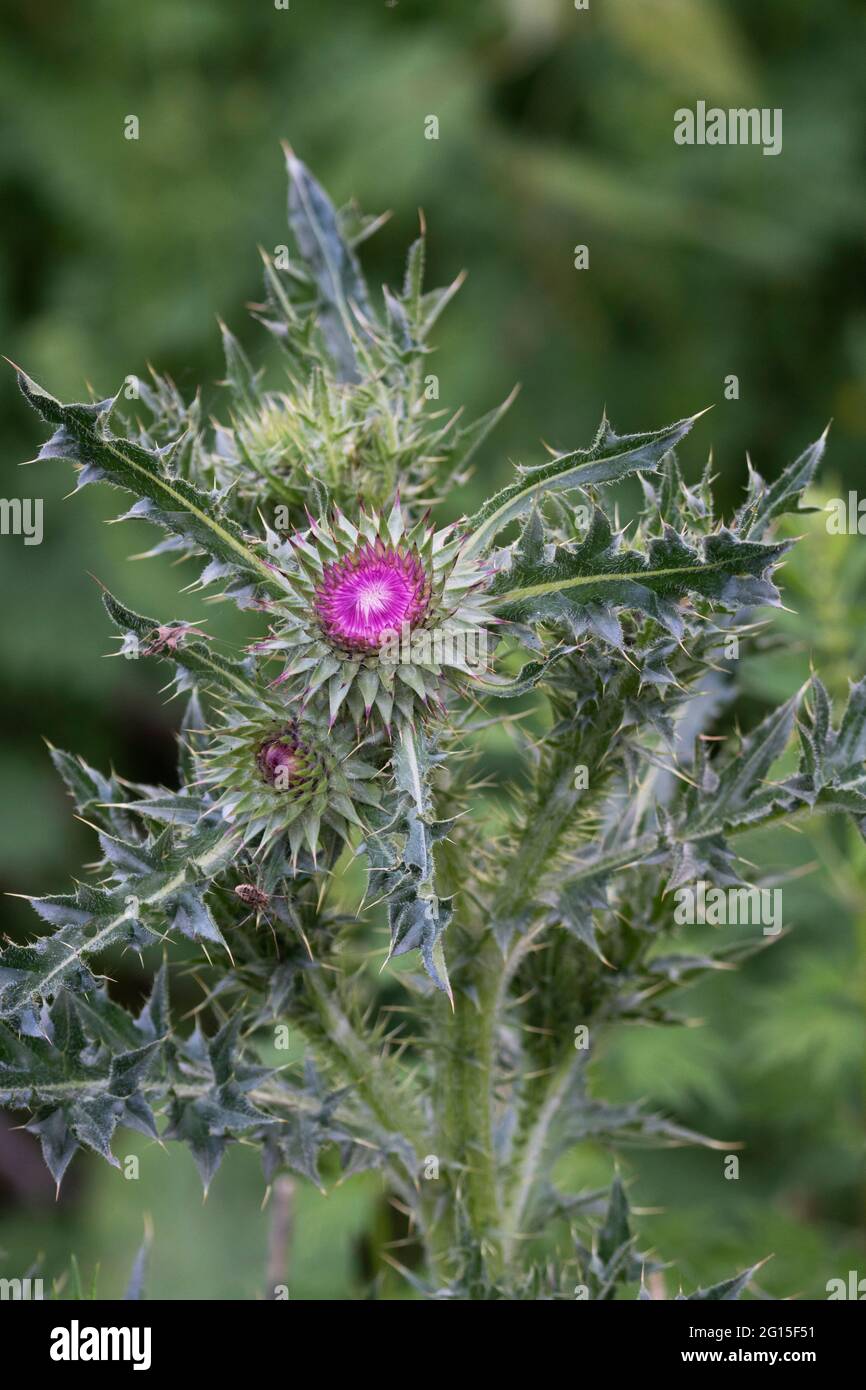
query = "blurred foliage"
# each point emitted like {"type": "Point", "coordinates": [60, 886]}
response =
{"type": "Point", "coordinates": [555, 130]}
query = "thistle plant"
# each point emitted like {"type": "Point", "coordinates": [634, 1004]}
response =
{"type": "Point", "coordinates": [340, 750]}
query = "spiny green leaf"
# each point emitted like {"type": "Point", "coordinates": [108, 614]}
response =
{"type": "Point", "coordinates": [849, 748]}
{"type": "Point", "coordinates": [88, 787]}
{"type": "Point", "coordinates": [333, 266]}
{"type": "Point", "coordinates": [610, 458]}
{"type": "Point", "coordinates": [766, 502]}
{"type": "Point", "coordinates": [37, 971]}
{"type": "Point", "coordinates": [240, 376]}
{"type": "Point", "coordinates": [157, 890]}
{"type": "Point", "coordinates": [597, 572]}
{"type": "Point", "coordinates": [171, 642]}
{"type": "Point", "coordinates": [135, 1286]}
{"type": "Point", "coordinates": [527, 678]}
{"type": "Point", "coordinates": [739, 793]}
{"type": "Point", "coordinates": [616, 1232]}
{"type": "Point", "coordinates": [400, 854]}
{"type": "Point", "coordinates": [84, 437]}
{"type": "Point", "coordinates": [727, 1290]}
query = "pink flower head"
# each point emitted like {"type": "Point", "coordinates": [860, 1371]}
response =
{"type": "Point", "coordinates": [371, 592]}
{"type": "Point", "coordinates": [282, 760]}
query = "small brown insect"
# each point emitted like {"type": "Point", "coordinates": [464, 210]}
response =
{"type": "Point", "coordinates": [258, 901]}
{"type": "Point", "coordinates": [252, 896]}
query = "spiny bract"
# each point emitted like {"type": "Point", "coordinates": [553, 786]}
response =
{"type": "Point", "coordinates": [275, 777]}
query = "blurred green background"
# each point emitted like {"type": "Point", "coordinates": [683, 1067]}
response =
{"type": "Point", "coordinates": [555, 130]}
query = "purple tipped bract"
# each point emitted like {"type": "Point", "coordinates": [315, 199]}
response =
{"type": "Point", "coordinates": [369, 593]}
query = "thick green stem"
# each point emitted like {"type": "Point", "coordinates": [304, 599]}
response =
{"type": "Point", "coordinates": [530, 1147]}
{"type": "Point", "coordinates": [556, 800]}
{"type": "Point", "coordinates": [467, 1121]}
{"type": "Point", "coordinates": [467, 1072]}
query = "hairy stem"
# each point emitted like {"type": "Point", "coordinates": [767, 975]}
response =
{"type": "Point", "coordinates": [469, 1113]}
{"type": "Point", "coordinates": [369, 1072]}
{"type": "Point", "coordinates": [469, 1062]}
{"type": "Point", "coordinates": [282, 1218]}
{"type": "Point", "coordinates": [530, 1147]}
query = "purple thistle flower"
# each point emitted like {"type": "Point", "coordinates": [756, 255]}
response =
{"type": "Point", "coordinates": [372, 591]}
{"type": "Point", "coordinates": [282, 760]}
